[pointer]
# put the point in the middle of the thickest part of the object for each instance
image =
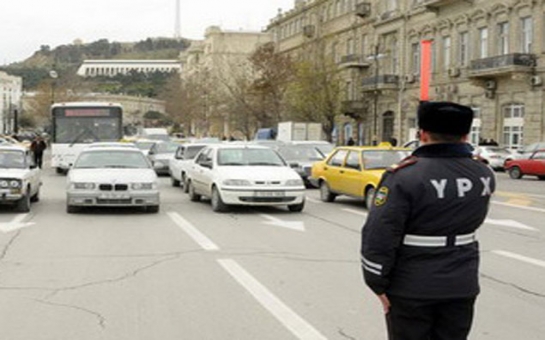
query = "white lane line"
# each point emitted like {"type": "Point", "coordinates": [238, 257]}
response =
{"type": "Point", "coordinates": [509, 223]}
{"type": "Point", "coordinates": [520, 257]}
{"type": "Point", "coordinates": [357, 212]}
{"type": "Point", "coordinates": [312, 200]}
{"type": "Point", "coordinates": [19, 218]}
{"type": "Point", "coordinates": [193, 232]}
{"type": "Point", "coordinates": [519, 206]}
{"type": "Point", "coordinates": [292, 321]}
{"type": "Point", "coordinates": [294, 225]}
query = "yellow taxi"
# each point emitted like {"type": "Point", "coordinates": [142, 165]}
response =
{"type": "Point", "coordinates": [355, 170]}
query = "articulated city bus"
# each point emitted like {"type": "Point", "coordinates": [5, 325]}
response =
{"type": "Point", "coordinates": [77, 124]}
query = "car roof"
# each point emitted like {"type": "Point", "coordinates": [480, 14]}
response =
{"type": "Point", "coordinates": [111, 148]}
{"type": "Point", "coordinates": [238, 146]}
{"type": "Point", "coordinates": [12, 147]}
{"type": "Point", "coordinates": [373, 148]}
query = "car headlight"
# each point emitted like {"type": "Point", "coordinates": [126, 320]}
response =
{"type": "Point", "coordinates": [84, 186]}
{"type": "Point", "coordinates": [4, 184]}
{"type": "Point", "coordinates": [294, 183]}
{"type": "Point", "coordinates": [237, 182]}
{"type": "Point", "coordinates": [143, 186]}
{"type": "Point", "coordinates": [15, 184]}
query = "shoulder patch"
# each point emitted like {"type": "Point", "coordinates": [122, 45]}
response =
{"type": "Point", "coordinates": [381, 196]}
{"type": "Point", "coordinates": [408, 161]}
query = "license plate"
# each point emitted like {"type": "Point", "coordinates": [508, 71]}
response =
{"type": "Point", "coordinates": [270, 193]}
{"type": "Point", "coordinates": [113, 196]}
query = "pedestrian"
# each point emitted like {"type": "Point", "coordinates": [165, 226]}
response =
{"type": "Point", "coordinates": [350, 142]}
{"type": "Point", "coordinates": [37, 147]}
{"type": "Point", "coordinates": [419, 251]}
{"type": "Point", "coordinates": [393, 141]}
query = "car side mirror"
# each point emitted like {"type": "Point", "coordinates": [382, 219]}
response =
{"type": "Point", "coordinates": [206, 164]}
{"type": "Point", "coordinates": [151, 152]}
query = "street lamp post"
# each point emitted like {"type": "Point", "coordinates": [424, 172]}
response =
{"type": "Point", "coordinates": [53, 74]}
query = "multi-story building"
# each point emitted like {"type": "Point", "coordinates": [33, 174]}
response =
{"type": "Point", "coordinates": [11, 88]}
{"type": "Point", "coordinates": [485, 53]}
{"type": "Point", "coordinates": [111, 68]}
{"type": "Point", "coordinates": [218, 61]}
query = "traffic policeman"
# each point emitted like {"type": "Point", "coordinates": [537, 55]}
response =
{"type": "Point", "coordinates": [419, 249]}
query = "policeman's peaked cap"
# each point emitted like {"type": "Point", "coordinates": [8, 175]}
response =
{"type": "Point", "coordinates": [445, 117]}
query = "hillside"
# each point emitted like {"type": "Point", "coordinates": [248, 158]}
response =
{"type": "Point", "coordinates": [65, 59]}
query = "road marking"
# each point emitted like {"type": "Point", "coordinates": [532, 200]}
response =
{"type": "Point", "coordinates": [193, 232]}
{"type": "Point", "coordinates": [517, 194]}
{"type": "Point", "coordinates": [510, 223]}
{"type": "Point", "coordinates": [520, 257]}
{"type": "Point", "coordinates": [519, 206]}
{"type": "Point", "coordinates": [313, 200]}
{"type": "Point", "coordinates": [294, 225]}
{"type": "Point", "coordinates": [291, 320]}
{"type": "Point", "coordinates": [357, 212]}
{"type": "Point", "coordinates": [15, 224]}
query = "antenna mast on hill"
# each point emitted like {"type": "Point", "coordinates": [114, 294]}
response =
{"type": "Point", "coordinates": [178, 24]}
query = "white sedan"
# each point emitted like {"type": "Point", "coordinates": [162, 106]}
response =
{"type": "Point", "coordinates": [112, 176]}
{"type": "Point", "coordinates": [19, 178]}
{"type": "Point", "coordinates": [234, 174]}
{"type": "Point", "coordinates": [177, 167]}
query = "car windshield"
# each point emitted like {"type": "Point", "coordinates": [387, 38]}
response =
{"type": "Point", "coordinates": [111, 159]}
{"type": "Point", "coordinates": [166, 148]}
{"type": "Point", "coordinates": [144, 145]}
{"type": "Point", "coordinates": [249, 156]}
{"type": "Point", "coordinates": [300, 153]}
{"type": "Point", "coordinates": [12, 159]}
{"type": "Point", "coordinates": [192, 151]}
{"type": "Point", "coordinates": [382, 159]}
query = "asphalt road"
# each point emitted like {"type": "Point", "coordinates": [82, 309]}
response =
{"type": "Point", "coordinates": [189, 273]}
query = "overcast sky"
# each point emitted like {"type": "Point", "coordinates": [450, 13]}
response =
{"type": "Point", "coordinates": [25, 25]}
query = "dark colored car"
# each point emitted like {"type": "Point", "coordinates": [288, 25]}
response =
{"type": "Point", "coordinates": [533, 166]}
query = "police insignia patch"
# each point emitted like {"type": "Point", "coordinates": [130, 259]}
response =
{"type": "Point", "coordinates": [381, 196]}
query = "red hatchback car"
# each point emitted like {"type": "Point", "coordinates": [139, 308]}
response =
{"type": "Point", "coordinates": [533, 166]}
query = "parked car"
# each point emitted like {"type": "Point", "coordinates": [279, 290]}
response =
{"type": "Point", "coordinates": [323, 146]}
{"type": "Point", "coordinates": [144, 145]}
{"type": "Point", "coordinates": [526, 151]}
{"type": "Point", "coordinates": [300, 157]}
{"type": "Point", "coordinates": [112, 176]}
{"type": "Point", "coordinates": [112, 145]}
{"type": "Point", "coordinates": [19, 178]}
{"type": "Point", "coordinates": [178, 166]}
{"type": "Point", "coordinates": [160, 155]}
{"type": "Point", "coordinates": [533, 166]}
{"type": "Point", "coordinates": [235, 174]}
{"type": "Point", "coordinates": [355, 170]}
{"type": "Point", "coordinates": [495, 156]}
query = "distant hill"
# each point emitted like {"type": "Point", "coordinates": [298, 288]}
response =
{"type": "Point", "coordinates": [66, 59]}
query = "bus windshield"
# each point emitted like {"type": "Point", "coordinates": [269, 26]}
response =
{"type": "Point", "coordinates": [86, 125]}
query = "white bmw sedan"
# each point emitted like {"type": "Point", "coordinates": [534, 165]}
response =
{"type": "Point", "coordinates": [111, 176]}
{"type": "Point", "coordinates": [234, 174]}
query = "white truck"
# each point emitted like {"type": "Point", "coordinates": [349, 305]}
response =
{"type": "Point", "coordinates": [295, 131]}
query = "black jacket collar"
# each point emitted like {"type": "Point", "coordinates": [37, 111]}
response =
{"type": "Point", "coordinates": [443, 150]}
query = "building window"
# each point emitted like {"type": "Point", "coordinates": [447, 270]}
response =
{"type": "Point", "coordinates": [475, 133]}
{"type": "Point", "coordinates": [415, 58]}
{"type": "Point", "coordinates": [526, 35]}
{"type": "Point", "coordinates": [503, 38]}
{"type": "Point", "coordinates": [391, 5]}
{"type": "Point", "coordinates": [513, 125]}
{"type": "Point", "coordinates": [350, 46]}
{"type": "Point", "coordinates": [464, 48]}
{"type": "Point", "coordinates": [338, 8]}
{"type": "Point", "coordinates": [483, 42]}
{"type": "Point", "coordinates": [334, 55]}
{"type": "Point", "coordinates": [433, 56]}
{"type": "Point", "coordinates": [395, 56]}
{"type": "Point", "coordinates": [446, 52]}
{"type": "Point", "coordinates": [364, 45]}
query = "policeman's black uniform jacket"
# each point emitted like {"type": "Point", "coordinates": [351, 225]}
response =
{"type": "Point", "coordinates": [441, 190]}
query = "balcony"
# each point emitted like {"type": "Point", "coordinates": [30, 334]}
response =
{"type": "Point", "coordinates": [309, 30]}
{"type": "Point", "coordinates": [503, 65]}
{"type": "Point", "coordinates": [353, 108]}
{"type": "Point", "coordinates": [381, 82]}
{"type": "Point", "coordinates": [434, 5]}
{"type": "Point", "coordinates": [363, 10]}
{"type": "Point", "coordinates": [353, 61]}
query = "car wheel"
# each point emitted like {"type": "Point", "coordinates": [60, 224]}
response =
{"type": "Point", "coordinates": [515, 172]}
{"type": "Point", "coordinates": [193, 197]}
{"type": "Point", "coordinates": [325, 194]}
{"type": "Point", "coordinates": [35, 197]}
{"type": "Point", "coordinates": [153, 209]}
{"type": "Point", "coordinates": [296, 207]}
{"type": "Point", "coordinates": [23, 205]}
{"type": "Point", "coordinates": [369, 197]}
{"type": "Point", "coordinates": [185, 184]}
{"type": "Point", "coordinates": [71, 209]}
{"type": "Point", "coordinates": [217, 202]}
{"type": "Point", "coordinates": [174, 182]}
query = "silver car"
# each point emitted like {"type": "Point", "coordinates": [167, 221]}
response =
{"type": "Point", "coordinates": [495, 156]}
{"type": "Point", "coordinates": [112, 177]}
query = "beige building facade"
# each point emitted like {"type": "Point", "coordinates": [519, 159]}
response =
{"type": "Point", "coordinates": [485, 53]}
{"type": "Point", "coordinates": [218, 61]}
{"type": "Point", "coordinates": [11, 89]}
